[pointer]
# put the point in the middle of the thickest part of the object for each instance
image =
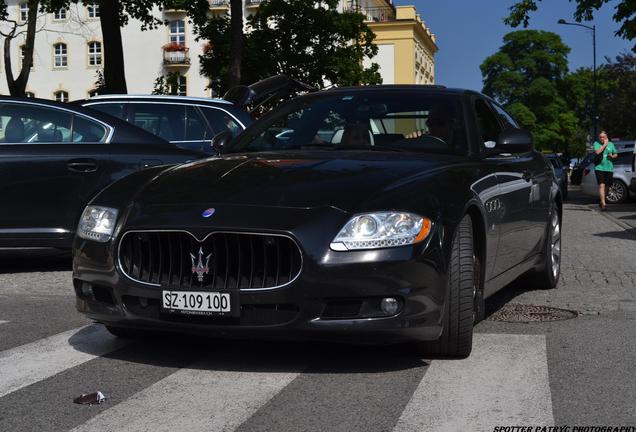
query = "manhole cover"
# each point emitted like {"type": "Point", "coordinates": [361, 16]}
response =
{"type": "Point", "coordinates": [530, 313]}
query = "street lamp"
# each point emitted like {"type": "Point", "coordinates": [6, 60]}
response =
{"type": "Point", "coordinates": [595, 108]}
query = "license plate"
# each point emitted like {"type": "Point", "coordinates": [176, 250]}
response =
{"type": "Point", "coordinates": [196, 302]}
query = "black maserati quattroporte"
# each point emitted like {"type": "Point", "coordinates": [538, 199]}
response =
{"type": "Point", "coordinates": [375, 214]}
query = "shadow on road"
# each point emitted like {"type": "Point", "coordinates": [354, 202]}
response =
{"type": "Point", "coordinates": [622, 234]}
{"type": "Point", "coordinates": [508, 294]}
{"type": "Point", "coordinates": [34, 260]}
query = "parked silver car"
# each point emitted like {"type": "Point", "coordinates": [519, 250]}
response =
{"type": "Point", "coordinates": [623, 174]}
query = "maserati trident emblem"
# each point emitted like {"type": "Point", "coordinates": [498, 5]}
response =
{"type": "Point", "coordinates": [198, 266]}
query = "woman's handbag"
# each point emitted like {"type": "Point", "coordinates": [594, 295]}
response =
{"type": "Point", "coordinates": [598, 158]}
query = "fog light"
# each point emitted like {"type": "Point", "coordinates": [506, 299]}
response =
{"type": "Point", "coordinates": [389, 305]}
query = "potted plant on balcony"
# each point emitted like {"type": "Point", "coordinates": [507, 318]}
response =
{"type": "Point", "coordinates": [174, 52]}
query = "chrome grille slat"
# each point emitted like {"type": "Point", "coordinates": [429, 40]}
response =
{"type": "Point", "coordinates": [244, 261]}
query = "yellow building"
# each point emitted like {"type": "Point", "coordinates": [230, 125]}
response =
{"type": "Point", "coordinates": [406, 45]}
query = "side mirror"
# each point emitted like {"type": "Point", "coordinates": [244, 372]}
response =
{"type": "Point", "coordinates": [511, 141]}
{"type": "Point", "coordinates": [220, 140]}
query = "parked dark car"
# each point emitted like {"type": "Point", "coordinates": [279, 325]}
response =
{"type": "Point", "coordinates": [561, 173]}
{"type": "Point", "coordinates": [55, 157]}
{"type": "Point", "coordinates": [191, 122]}
{"type": "Point", "coordinates": [187, 122]}
{"type": "Point", "coordinates": [369, 214]}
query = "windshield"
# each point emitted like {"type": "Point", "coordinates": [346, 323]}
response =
{"type": "Point", "coordinates": [390, 121]}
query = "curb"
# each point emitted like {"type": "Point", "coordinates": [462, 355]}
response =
{"type": "Point", "coordinates": [625, 226]}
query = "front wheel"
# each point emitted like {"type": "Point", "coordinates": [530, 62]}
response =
{"type": "Point", "coordinates": [456, 340]}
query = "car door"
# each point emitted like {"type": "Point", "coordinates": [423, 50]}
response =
{"type": "Point", "coordinates": [512, 203]}
{"type": "Point", "coordinates": [48, 161]}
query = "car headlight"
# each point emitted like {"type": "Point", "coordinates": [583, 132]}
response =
{"type": "Point", "coordinates": [381, 230]}
{"type": "Point", "coordinates": [97, 223]}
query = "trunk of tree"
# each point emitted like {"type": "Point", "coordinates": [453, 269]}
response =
{"type": "Point", "coordinates": [114, 73]}
{"type": "Point", "coordinates": [236, 27]}
{"type": "Point", "coordinates": [17, 87]}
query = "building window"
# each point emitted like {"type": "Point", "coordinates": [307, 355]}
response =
{"type": "Point", "coordinates": [24, 12]}
{"type": "Point", "coordinates": [60, 56]}
{"type": "Point", "coordinates": [29, 94]}
{"type": "Point", "coordinates": [177, 32]}
{"type": "Point", "coordinates": [181, 86]}
{"type": "Point", "coordinates": [61, 96]}
{"type": "Point", "coordinates": [93, 10]}
{"type": "Point", "coordinates": [23, 51]}
{"type": "Point", "coordinates": [94, 53]}
{"type": "Point", "coordinates": [60, 14]}
{"type": "Point", "coordinates": [93, 93]}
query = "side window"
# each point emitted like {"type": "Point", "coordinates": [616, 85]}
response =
{"type": "Point", "coordinates": [88, 131]}
{"type": "Point", "coordinates": [486, 122]}
{"type": "Point", "coordinates": [164, 120]}
{"type": "Point", "coordinates": [34, 124]}
{"type": "Point", "coordinates": [114, 109]}
{"type": "Point", "coordinates": [624, 158]}
{"type": "Point", "coordinates": [505, 118]}
{"type": "Point", "coordinates": [220, 120]}
{"type": "Point", "coordinates": [196, 128]}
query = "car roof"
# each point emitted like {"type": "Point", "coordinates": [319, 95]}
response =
{"type": "Point", "coordinates": [123, 129]}
{"type": "Point", "coordinates": [170, 98]}
{"type": "Point", "coordinates": [393, 87]}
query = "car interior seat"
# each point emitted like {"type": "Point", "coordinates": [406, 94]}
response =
{"type": "Point", "coordinates": [14, 131]}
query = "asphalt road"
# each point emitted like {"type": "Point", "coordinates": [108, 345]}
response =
{"type": "Point", "coordinates": [578, 372]}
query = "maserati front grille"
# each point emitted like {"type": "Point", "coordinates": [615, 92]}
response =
{"type": "Point", "coordinates": [222, 260]}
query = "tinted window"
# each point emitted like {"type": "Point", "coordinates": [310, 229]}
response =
{"type": "Point", "coordinates": [362, 120]}
{"type": "Point", "coordinates": [624, 158]}
{"type": "Point", "coordinates": [505, 118]}
{"type": "Point", "coordinates": [486, 122]}
{"type": "Point", "coordinates": [220, 120]}
{"type": "Point", "coordinates": [38, 124]}
{"type": "Point", "coordinates": [165, 120]}
{"type": "Point", "coordinates": [196, 127]}
{"type": "Point", "coordinates": [114, 109]}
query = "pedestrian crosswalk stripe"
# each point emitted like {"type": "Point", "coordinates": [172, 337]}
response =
{"type": "Point", "coordinates": [504, 382]}
{"type": "Point", "coordinates": [193, 399]}
{"type": "Point", "coordinates": [3, 322]}
{"type": "Point", "coordinates": [27, 364]}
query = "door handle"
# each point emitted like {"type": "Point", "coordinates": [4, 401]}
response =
{"type": "Point", "coordinates": [82, 165]}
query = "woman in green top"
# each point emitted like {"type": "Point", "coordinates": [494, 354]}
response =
{"type": "Point", "coordinates": [605, 170]}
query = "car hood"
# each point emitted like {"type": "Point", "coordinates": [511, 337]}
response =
{"type": "Point", "coordinates": [342, 179]}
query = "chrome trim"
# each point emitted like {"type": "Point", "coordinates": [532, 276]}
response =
{"type": "Point", "coordinates": [300, 270]}
{"type": "Point", "coordinates": [109, 128]}
{"type": "Point", "coordinates": [33, 231]}
{"type": "Point", "coordinates": [175, 103]}
{"type": "Point", "coordinates": [147, 96]}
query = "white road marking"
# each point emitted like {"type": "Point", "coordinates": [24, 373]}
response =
{"type": "Point", "coordinates": [503, 382]}
{"type": "Point", "coordinates": [27, 364]}
{"type": "Point", "coordinates": [3, 322]}
{"type": "Point", "coordinates": [193, 399]}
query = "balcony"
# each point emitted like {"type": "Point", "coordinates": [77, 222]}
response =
{"type": "Point", "coordinates": [219, 4]}
{"type": "Point", "coordinates": [374, 14]}
{"type": "Point", "coordinates": [175, 55]}
{"type": "Point", "coordinates": [253, 3]}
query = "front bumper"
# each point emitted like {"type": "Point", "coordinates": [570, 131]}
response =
{"type": "Point", "coordinates": [336, 297]}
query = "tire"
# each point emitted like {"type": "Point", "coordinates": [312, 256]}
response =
{"type": "Point", "coordinates": [548, 276]}
{"type": "Point", "coordinates": [617, 192]}
{"type": "Point", "coordinates": [456, 339]}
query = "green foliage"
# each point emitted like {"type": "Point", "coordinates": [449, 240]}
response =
{"type": "Point", "coordinates": [277, 41]}
{"type": "Point", "coordinates": [527, 76]}
{"type": "Point", "coordinates": [166, 84]}
{"type": "Point", "coordinates": [625, 14]}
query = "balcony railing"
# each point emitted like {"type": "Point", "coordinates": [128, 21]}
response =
{"type": "Point", "coordinates": [374, 14]}
{"type": "Point", "coordinates": [219, 3]}
{"type": "Point", "coordinates": [172, 57]}
{"type": "Point", "coordinates": [253, 3]}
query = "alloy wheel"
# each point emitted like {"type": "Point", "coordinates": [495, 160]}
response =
{"type": "Point", "coordinates": [616, 192]}
{"type": "Point", "coordinates": [555, 245]}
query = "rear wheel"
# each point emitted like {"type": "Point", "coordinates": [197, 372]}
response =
{"type": "Point", "coordinates": [463, 297]}
{"type": "Point", "coordinates": [548, 276]}
{"type": "Point", "coordinates": [617, 192]}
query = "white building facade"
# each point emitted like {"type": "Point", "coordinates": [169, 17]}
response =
{"type": "Point", "coordinates": [69, 49]}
